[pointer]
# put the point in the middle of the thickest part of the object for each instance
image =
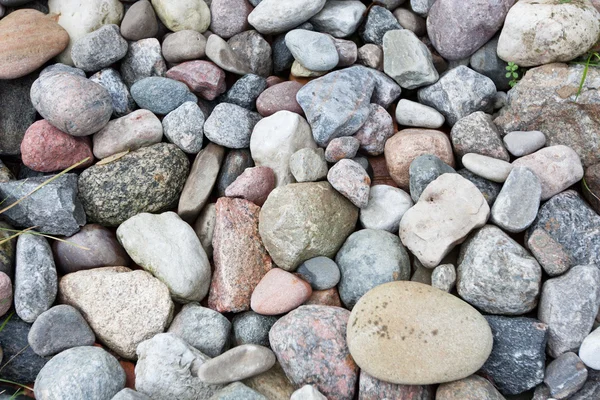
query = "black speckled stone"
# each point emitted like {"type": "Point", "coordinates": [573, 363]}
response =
{"type": "Point", "coordinates": [235, 163]}
{"type": "Point", "coordinates": [252, 328]}
{"type": "Point", "coordinates": [16, 113]}
{"type": "Point", "coordinates": [245, 91]}
{"type": "Point", "coordinates": [424, 170]}
{"type": "Point", "coordinates": [122, 101]}
{"type": "Point", "coordinates": [518, 357]}
{"type": "Point", "coordinates": [378, 22]}
{"type": "Point", "coordinates": [489, 189]}
{"type": "Point", "coordinates": [282, 56]}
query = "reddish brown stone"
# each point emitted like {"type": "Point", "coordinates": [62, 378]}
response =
{"type": "Point", "coordinates": [281, 96]}
{"type": "Point", "coordinates": [370, 388]}
{"type": "Point", "coordinates": [240, 258]}
{"type": "Point", "coordinates": [278, 292]}
{"type": "Point", "coordinates": [340, 148]}
{"type": "Point", "coordinates": [329, 297]}
{"type": "Point", "coordinates": [254, 184]}
{"type": "Point", "coordinates": [274, 80]}
{"type": "Point", "coordinates": [202, 77]}
{"type": "Point", "coordinates": [381, 175]}
{"type": "Point", "coordinates": [45, 148]}
{"type": "Point", "coordinates": [129, 369]}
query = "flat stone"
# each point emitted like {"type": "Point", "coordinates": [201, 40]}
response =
{"type": "Point", "coordinates": [376, 130]}
{"type": "Point", "coordinates": [245, 91]}
{"type": "Point", "coordinates": [279, 292]}
{"type": "Point", "coordinates": [490, 168]}
{"type": "Point", "coordinates": [385, 208]}
{"type": "Point", "coordinates": [281, 96]}
{"type": "Point", "coordinates": [411, 21]}
{"type": "Point", "coordinates": [204, 228]}
{"type": "Point", "coordinates": [202, 77]}
{"type": "Point", "coordinates": [254, 51]}
{"type": "Point", "coordinates": [16, 114]}
{"type": "Point", "coordinates": [143, 60]}
{"type": "Point", "coordinates": [476, 133]}
{"type": "Point", "coordinates": [235, 163]}
{"type": "Point", "coordinates": [411, 113]}
{"type": "Point", "coordinates": [187, 14]}
{"type": "Point", "coordinates": [252, 328]}
{"type": "Point", "coordinates": [183, 127]}
{"type": "Point", "coordinates": [432, 322]}
{"type": "Point", "coordinates": [488, 189]}
{"type": "Point", "coordinates": [221, 53]}
{"type": "Point", "coordinates": [308, 165]}
{"type": "Point", "coordinates": [24, 364]}
{"type": "Point", "coordinates": [231, 126]}
{"type": "Point", "coordinates": [254, 185]}
{"type": "Point", "coordinates": [424, 170]}
{"type": "Point", "coordinates": [160, 95]}
{"type": "Point", "coordinates": [239, 363]}
{"type": "Point", "coordinates": [472, 387]}
{"type": "Point", "coordinates": [111, 80]}
{"type": "Point", "coordinates": [237, 390]}
{"type": "Point", "coordinates": [228, 18]}
{"type": "Point", "coordinates": [351, 180]}
{"type": "Point", "coordinates": [181, 46]}
{"type": "Point", "coordinates": [321, 273]}
{"type": "Point", "coordinates": [565, 375]}
{"type": "Point", "coordinates": [139, 22]}
{"type": "Point", "coordinates": [276, 16]}
{"type": "Point", "coordinates": [524, 143]}
{"type": "Point", "coordinates": [379, 21]}
{"type": "Point", "coordinates": [99, 49]}
{"type": "Point", "coordinates": [315, 51]}
{"type": "Point", "coordinates": [371, 55]}
{"type": "Point", "coordinates": [339, 18]}
{"type": "Point", "coordinates": [407, 59]}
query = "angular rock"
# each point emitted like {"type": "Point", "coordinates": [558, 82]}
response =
{"type": "Point", "coordinates": [565, 375]}
{"type": "Point", "coordinates": [407, 59]}
{"type": "Point", "coordinates": [307, 392]}
{"type": "Point", "coordinates": [254, 185]}
{"type": "Point", "coordinates": [386, 90]}
{"type": "Point", "coordinates": [385, 208]}
{"type": "Point", "coordinates": [221, 53]}
{"type": "Point", "coordinates": [231, 126]}
{"type": "Point", "coordinates": [379, 21]}
{"type": "Point", "coordinates": [202, 77]}
{"type": "Point", "coordinates": [339, 18]}
{"type": "Point", "coordinates": [476, 133]}
{"type": "Point", "coordinates": [245, 91]}
{"type": "Point", "coordinates": [239, 363]}
{"type": "Point", "coordinates": [184, 46]}
{"type": "Point", "coordinates": [279, 292]}
{"type": "Point", "coordinates": [351, 180]}
{"type": "Point", "coordinates": [281, 96]}
{"type": "Point", "coordinates": [308, 165]}
{"type": "Point", "coordinates": [99, 49]}
{"type": "Point", "coordinates": [411, 113]}
{"type": "Point", "coordinates": [490, 168]}
{"type": "Point", "coordinates": [111, 80]}
{"type": "Point", "coordinates": [524, 143]}
{"type": "Point", "coordinates": [183, 127]}
{"type": "Point", "coordinates": [376, 130]}
{"type": "Point", "coordinates": [276, 16]}
{"type": "Point", "coordinates": [321, 273]}
{"type": "Point", "coordinates": [187, 14]}
{"type": "Point", "coordinates": [315, 51]}
{"type": "Point", "coordinates": [254, 51]}
{"type": "Point", "coordinates": [252, 328]}
{"type": "Point", "coordinates": [139, 22]}
{"type": "Point", "coordinates": [486, 62]}
{"type": "Point", "coordinates": [517, 205]}
{"type": "Point", "coordinates": [469, 388]}
{"type": "Point", "coordinates": [160, 95]}
{"type": "Point", "coordinates": [143, 60]}
{"type": "Point", "coordinates": [424, 170]}
{"type": "Point", "coordinates": [371, 55]}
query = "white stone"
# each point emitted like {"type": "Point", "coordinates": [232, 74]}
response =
{"type": "Point", "coordinates": [340, 18]}
{"type": "Point", "coordinates": [315, 51]}
{"type": "Point", "coordinates": [589, 352]}
{"type": "Point", "coordinates": [489, 168]}
{"type": "Point", "coordinates": [408, 60]}
{"type": "Point", "coordinates": [183, 14]}
{"type": "Point", "coordinates": [443, 277]}
{"type": "Point", "coordinates": [385, 208]}
{"type": "Point", "coordinates": [276, 16]}
{"type": "Point", "coordinates": [411, 113]}
{"type": "Point", "coordinates": [307, 392]}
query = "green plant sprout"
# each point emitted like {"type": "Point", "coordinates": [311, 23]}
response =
{"type": "Point", "coordinates": [586, 66]}
{"type": "Point", "coordinates": [512, 73]}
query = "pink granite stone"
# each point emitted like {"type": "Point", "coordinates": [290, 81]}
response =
{"type": "Point", "coordinates": [350, 179]}
{"type": "Point", "coordinates": [229, 17]}
{"type": "Point", "coordinates": [278, 292]}
{"type": "Point", "coordinates": [6, 293]}
{"type": "Point", "coordinates": [329, 297]}
{"type": "Point", "coordinates": [254, 184]}
{"type": "Point", "coordinates": [281, 96]}
{"type": "Point", "coordinates": [370, 388]}
{"type": "Point", "coordinates": [340, 148]}
{"type": "Point", "coordinates": [202, 77]}
{"type": "Point", "coordinates": [374, 133]}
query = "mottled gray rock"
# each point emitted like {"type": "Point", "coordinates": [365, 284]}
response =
{"type": "Point", "coordinates": [411, 113]}
{"type": "Point", "coordinates": [568, 306]}
{"type": "Point", "coordinates": [245, 91]}
{"type": "Point", "coordinates": [139, 22]}
{"type": "Point", "coordinates": [476, 133]}
{"type": "Point", "coordinates": [231, 126]}
{"type": "Point", "coordinates": [519, 353]}
{"type": "Point", "coordinates": [241, 362]}
{"type": "Point", "coordinates": [379, 21]}
{"type": "Point", "coordinates": [424, 170]}
{"type": "Point", "coordinates": [458, 93]}
{"type": "Point", "coordinates": [386, 90]}
{"type": "Point", "coordinates": [523, 143]}
{"type": "Point", "coordinates": [321, 272]}
{"type": "Point", "coordinates": [234, 164]}
{"type": "Point", "coordinates": [221, 53]}
{"type": "Point", "coordinates": [385, 208]}
{"type": "Point", "coordinates": [59, 67]}
{"type": "Point", "coordinates": [421, 7]}
{"type": "Point", "coordinates": [591, 388]}
{"type": "Point", "coordinates": [143, 59]}
{"type": "Point", "coordinates": [367, 259]}
{"type": "Point", "coordinates": [237, 391]}
{"type": "Point", "coordinates": [252, 328]}
{"type": "Point", "coordinates": [340, 148]}
{"type": "Point", "coordinates": [183, 127]}
{"type": "Point", "coordinates": [128, 394]}
{"type": "Point", "coordinates": [315, 51]}
{"type": "Point", "coordinates": [490, 168]}
{"type": "Point", "coordinates": [486, 62]}
{"type": "Point", "coordinates": [376, 130]}
{"type": "Point", "coordinates": [339, 18]}
{"type": "Point", "coordinates": [229, 17]}
{"type": "Point", "coordinates": [350, 179]}
{"type": "Point", "coordinates": [565, 375]}
{"type": "Point", "coordinates": [7, 250]}
{"type": "Point", "coordinates": [308, 165]}
{"type": "Point", "coordinates": [16, 114]}
{"type": "Point", "coordinates": [122, 101]}
{"type": "Point", "coordinates": [517, 204]}
{"type": "Point", "coordinates": [282, 56]}
{"type": "Point", "coordinates": [183, 46]}
{"type": "Point", "coordinates": [276, 16]}
{"type": "Point", "coordinates": [254, 51]}
{"type": "Point", "coordinates": [81, 372]}
{"type": "Point", "coordinates": [488, 189]}
{"type": "Point", "coordinates": [443, 277]}
{"type": "Point", "coordinates": [407, 59]}
{"type": "Point", "coordinates": [99, 49]}
{"type": "Point", "coordinates": [161, 95]}
{"type": "Point", "coordinates": [24, 364]}
{"type": "Point", "coordinates": [60, 328]}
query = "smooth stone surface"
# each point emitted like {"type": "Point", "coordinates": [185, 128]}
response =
{"type": "Point", "coordinates": [589, 350]}
{"type": "Point", "coordinates": [488, 189]}
{"type": "Point", "coordinates": [411, 21]}
{"type": "Point", "coordinates": [411, 113]}
{"type": "Point", "coordinates": [184, 46]}
{"type": "Point", "coordinates": [239, 363]}
{"type": "Point", "coordinates": [386, 90]}
{"type": "Point", "coordinates": [111, 80]}
{"type": "Point", "coordinates": [476, 133]}
{"type": "Point", "coordinates": [186, 14]}
{"type": "Point", "coordinates": [279, 292]}
{"type": "Point", "coordinates": [16, 114]}
{"type": "Point", "coordinates": [282, 57]}
{"type": "Point", "coordinates": [315, 51]}
{"type": "Point", "coordinates": [237, 390]}
{"type": "Point", "coordinates": [339, 18]}
{"type": "Point", "coordinates": [235, 163]}
{"type": "Point", "coordinates": [473, 387]}
{"type": "Point", "coordinates": [524, 143]}
{"type": "Point", "coordinates": [254, 184]}
{"type": "Point", "coordinates": [376, 130]}
{"type": "Point", "coordinates": [379, 20]}
{"type": "Point", "coordinates": [321, 273]}
{"type": "Point", "coordinates": [424, 170]}
{"type": "Point", "coordinates": [308, 165]}
{"type": "Point", "coordinates": [300, 71]}
{"type": "Point", "coordinates": [245, 91]}
{"type": "Point", "coordinates": [281, 96]}
{"type": "Point", "coordinates": [254, 51]}
{"type": "Point", "coordinates": [99, 49]}
{"type": "Point", "coordinates": [143, 60]}
{"type": "Point", "coordinates": [183, 127]}
{"type": "Point", "coordinates": [350, 179]}
{"type": "Point", "coordinates": [160, 95]}
{"type": "Point", "coordinates": [371, 55]}
{"type": "Point", "coordinates": [25, 365]}
{"type": "Point", "coordinates": [128, 394]}
{"type": "Point", "coordinates": [221, 53]}
{"type": "Point", "coordinates": [139, 22]}
{"type": "Point", "coordinates": [307, 392]}
{"type": "Point", "coordinates": [490, 168]}
{"type": "Point", "coordinates": [407, 59]}
{"type": "Point", "coordinates": [202, 77]}
{"type": "Point", "coordinates": [277, 16]}
{"type": "Point", "coordinates": [433, 323]}
{"type": "Point", "coordinates": [565, 375]}
{"type": "Point", "coordinates": [228, 18]}
{"type": "Point", "coordinates": [6, 294]}
{"type": "Point", "coordinates": [443, 277]}
{"type": "Point", "coordinates": [273, 384]}
{"type": "Point", "coordinates": [252, 328]}
{"type": "Point", "coordinates": [231, 126]}
{"type": "Point", "coordinates": [385, 208]}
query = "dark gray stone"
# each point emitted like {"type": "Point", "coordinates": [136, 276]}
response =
{"type": "Point", "coordinates": [7, 250]}
{"type": "Point", "coordinates": [24, 364]}
{"type": "Point", "coordinates": [252, 328]}
{"type": "Point", "coordinates": [378, 22]}
{"type": "Point", "coordinates": [321, 272]}
{"type": "Point", "coordinates": [60, 328]}
{"type": "Point", "coordinates": [143, 59]}
{"type": "Point", "coordinates": [184, 127]}
{"type": "Point", "coordinates": [99, 49]}
{"type": "Point", "coordinates": [591, 388]}
{"type": "Point", "coordinates": [237, 391]}
{"type": "Point", "coordinates": [161, 95]}
{"type": "Point", "coordinates": [5, 173]}
{"type": "Point", "coordinates": [476, 133]}
{"type": "Point", "coordinates": [565, 375]}
{"type": "Point", "coordinates": [147, 180]}
{"type": "Point", "coordinates": [245, 91]}
{"type": "Point", "coordinates": [253, 50]}
{"type": "Point", "coordinates": [231, 126]}
{"type": "Point", "coordinates": [518, 357]}
{"type": "Point", "coordinates": [129, 394]}
{"type": "Point", "coordinates": [122, 101]}
{"type": "Point", "coordinates": [55, 208]}
{"type": "Point", "coordinates": [16, 113]}
{"type": "Point", "coordinates": [282, 56]}
{"type": "Point", "coordinates": [59, 67]}
{"type": "Point", "coordinates": [424, 170]}
{"type": "Point", "coordinates": [486, 62]}
{"type": "Point", "coordinates": [489, 189]}
{"type": "Point", "coordinates": [236, 162]}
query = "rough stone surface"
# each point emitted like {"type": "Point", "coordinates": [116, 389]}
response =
{"type": "Point", "coordinates": [321, 273]}
{"type": "Point", "coordinates": [160, 95]}
{"type": "Point", "coordinates": [16, 114]}
{"type": "Point", "coordinates": [254, 184]}
{"type": "Point", "coordinates": [252, 328]}
{"type": "Point", "coordinates": [245, 91]}
{"type": "Point", "coordinates": [273, 384]}
{"type": "Point", "coordinates": [486, 62]}
{"type": "Point", "coordinates": [376, 130]}
{"type": "Point", "coordinates": [111, 80]}
{"type": "Point", "coordinates": [7, 250]}
{"type": "Point", "coordinates": [231, 126]}
{"type": "Point", "coordinates": [411, 21]}
{"type": "Point", "coordinates": [424, 170]}
{"type": "Point", "coordinates": [99, 49]}
{"type": "Point", "coordinates": [523, 143]}
{"type": "Point", "coordinates": [276, 16]}
{"type": "Point", "coordinates": [202, 77]}
{"type": "Point", "coordinates": [6, 295]}
{"type": "Point", "coordinates": [307, 392]}
{"type": "Point", "coordinates": [254, 51]}
{"type": "Point", "coordinates": [476, 133]}
{"type": "Point", "coordinates": [469, 388]}
{"type": "Point", "coordinates": [385, 208]}
{"type": "Point", "coordinates": [184, 127]}
{"type": "Point", "coordinates": [221, 53]}
{"type": "Point", "coordinates": [187, 14]}
{"type": "Point", "coordinates": [443, 277]}
{"type": "Point", "coordinates": [370, 388]}
{"type": "Point", "coordinates": [308, 165]}
{"type": "Point", "coordinates": [143, 60]}
{"type": "Point", "coordinates": [237, 390]}
{"type": "Point", "coordinates": [204, 227]}
{"type": "Point", "coordinates": [128, 394]}
{"type": "Point", "coordinates": [234, 165]}
{"type": "Point", "coordinates": [228, 18]}
{"type": "Point", "coordinates": [379, 20]}
{"type": "Point", "coordinates": [279, 292]}
{"type": "Point", "coordinates": [371, 55]}
{"type": "Point", "coordinates": [565, 375]}
{"type": "Point", "coordinates": [25, 365]}
{"type": "Point", "coordinates": [339, 18]}
{"type": "Point", "coordinates": [411, 113]}
{"type": "Point", "coordinates": [351, 180]}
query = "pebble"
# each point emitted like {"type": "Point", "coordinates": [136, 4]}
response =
{"type": "Point", "coordinates": [6, 295]}
{"type": "Point", "coordinates": [486, 62]}
{"type": "Point", "coordinates": [329, 297]}
{"type": "Point", "coordinates": [282, 57]}
{"type": "Point", "coordinates": [376, 130]}
{"type": "Point", "coordinates": [80, 372]}
{"type": "Point", "coordinates": [277, 16]}
{"type": "Point", "coordinates": [411, 21]}
{"type": "Point", "coordinates": [421, 7]}
{"type": "Point", "coordinates": [145, 236]}
{"type": "Point", "coordinates": [347, 52]}
{"type": "Point", "coordinates": [339, 18]}
{"type": "Point", "coordinates": [186, 14]}
{"type": "Point", "coordinates": [448, 209]}
{"type": "Point", "coordinates": [202, 328]}
{"type": "Point", "coordinates": [443, 277]}
{"type": "Point", "coordinates": [160, 95]}
{"type": "Point", "coordinates": [231, 126]}
{"type": "Point", "coordinates": [228, 18]}
{"type": "Point", "coordinates": [341, 148]}
{"type": "Point", "coordinates": [184, 46]}
{"type": "Point", "coordinates": [235, 163]}
{"type": "Point", "coordinates": [143, 60]}
{"type": "Point", "coordinates": [25, 365]}
{"type": "Point", "coordinates": [254, 185]}
{"type": "Point", "coordinates": [411, 113]}
{"type": "Point", "coordinates": [379, 21]}
{"type": "Point", "coordinates": [471, 387]}
{"type": "Point", "coordinates": [520, 144]}
{"type": "Point", "coordinates": [128, 394]}
{"type": "Point", "coordinates": [386, 90]}
{"type": "Point", "coordinates": [237, 390]}
{"type": "Point", "coordinates": [202, 77]}
{"type": "Point", "coordinates": [488, 189]}
{"type": "Point", "coordinates": [588, 352]}
{"type": "Point", "coordinates": [423, 170]}
{"type": "Point", "coordinates": [184, 127]}
{"type": "Point", "coordinates": [565, 375]}
{"type": "Point", "coordinates": [16, 114]}
{"type": "Point", "coordinates": [372, 388]}
{"type": "Point", "coordinates": [240, 257]}
{"type": "Point", "coordinates": [281, 96]}
{"type": "Point", "coordinates": [279, 292]}
{"type": "Point", "coordinates": [58, 67]}
{"type": "Point", "coordinates": [252, 328]}
{"type": "Point", "coordinates": [407, 60]}
{"type": "Point", "coordinates": [308, 165]}
{"type": "Point", "coordinates": [315, 51]}
{"type": "Point", "coordinates": [245, 91]}
{"type": "Point", "coordinates": [58, 329]}
{"type": "Point", "coordinates": [204, 228]}
{"type": "Point", "coordinates": [371, 55]}
{"type": "Point", "coordinates": [239, 363]}
{"type": "Point", "coordinates": [385, 208]}
{"type": "Point", "coordinates": [568, 305]}
{"type": "Point", "coordinates": [99, 49]}
{"type": "Point", "coordinates": [139, 21]}
{"type": "Point", "coordinates": [517, 204]}
{"type": "Point", "coordinates": [476, 133]}
{"type": "Point", "coordinates": [254, 51]}
{"type": "Point", "coordinates": [432, 322]}
{"type": "Point", "coordinates": [221, 53]}
{"type": "Point", "coordinates": [321, 273]}
{"type": "Point", "coordinates": [111, 80]}
{"type": "Point", "coordinates": [29, 39]}
{"type": "Point", "coordinates": [490, 168]}
{"type": "Point", "coordinates": [300, 71]}
{"type": "Point", "coordinates": [350, 179]}
{"type": "Point", "coordinates": [71, 103]}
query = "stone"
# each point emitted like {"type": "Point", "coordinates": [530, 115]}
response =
{"type": "Point", "coordinates": [24, 364]}
{"type": "Point", "coordinates": [254, 51]}
{"type": "Point", "coordinates": [590, 388]}
{"type": "Point", "coordinates": [151, 180]}
{"type": "Point", "coordinates": [458, 93]}
{"type": "Point", "coordinates": [486, 62]}
{"type": "Point", "coordinates": [376, 130]}
{"type": "Point", "coordinates": [490, 168]}
{"type": "Point", "coordinates": [228, 18]}
{"type": "Point", "coordinates": [252, 328]}
{"type": "Point", "coordinates": [476, 133]}
{"type": "Point", "coordinates": [7, 251]}
{"type": "Point", "coordinates": [87, 371]}
{"type": "Point", "coordinates": [276, 16]}
{"type": "Point", "coordinates": [557, 168]}
{"type": "Point", "coordinates": [237, 390]}
{"type": "Point", "coordinates": [520, 144]}
{"type": "Point", "coordinates": [200, 182]}
{"type": "Point", "coordinates": [181, 46]}
{"type": "Point", "coordinates": [577, 23]}
{"type": "Point", "coordinates": [321, 273]}
{"type": "Point", "coordinates": [488, 189]}
{"type": "Point", "coordinates": [234, 165]}
{"type": "Point", "coordinates": [240, 258]}
{"type": "Point", "coordinates": [59, 67]}
{"type": "Point", "coordinates": [128, 394]}
{"type": "Point", "coordinates": [517, 205]}
{"type": "Point", "coordinates": [139, 129]}
{"type": "Point", "coordinates": [588, 351]}
{"type": "Point", "coordinates": [239, 363]}
{"type": "Point", "coordinates": [300, 71]}
{"type": "Point", "coordinates": [281, 96]}
{"type": "Point", "coordinates": [279, 292]}
{"type": "Point", "coordinates": [339, 18]}
{"type": "Point", "coordinates": [202, 77]}
{"type": "Point", "coordinates": [221, 53]}
{"type": "Point", "coordinates": [231, 126]}
{"type": "Point", "coordinates": [323, 219]}
{"type": "Point", "coordinates": [351, 180]}
{"type": "Point", "coordinates": [282, 57]}
{"type": "Point", "coordinates": [411, 113]}
{"type": "Point", "coordinates": [308, 165]}
{"type": "Point", "coordinates": [58, 329]}
{"type": "Point", "coordinates": [139, 21]}
{"type": "Point", "coordinates": [367, 259]}
{"type": "Point", "coordinates": [565, 375]}
{"type": "Point", "coordinates": [385, 208]}
{"type": "Point", "coordinates": [45, 148]}
{"type": "Point", "coordinates": [111, 80]}
{"type": "Point", "coordinates": [6, 295]}
{"type": "Point", "coordinates": [386, 90]}
{"type": "Point", "coordinates": [329, 297]}
{"type": "Point", "coordinates": [451, 204]}
{"type": "Point", "coordinates": [204, 228]}
{"type": "Point", "coordinates": [370, 388]}
{"type": "Point", "coordinates": [202, 328]}
{"type": "Point", "coordinates": [408, 144]}
{"type": "Point", "coordinates": [334, 105]}
{"type": "Point", "coordinates": [371, 55]}
{"type": "Point", "coordinates": [29, 38]}
{"type": "Point", "coordinates": [254, 185]}
{"type": "Point", "coordinates": [35, 277]}
{"type": "Point", "coordinates": [16, 114]}
{"type": "Point", "coordinates": [568, 305]}
{"type": "Point", "coordinates": [432, 322]}
{"type": "Point", "coordinates": [166, 369]}
{"type": "Point", "coordinates": [443, 277]}
{"type": "Point", "coordinates": [518, 355]}
{"type": "Point", "coordinates": [99, 49]}
{"type": "Point", "coordinates": [379, 21]}
{"type": "Point", "coordinates": [347, 52]}
{"type": "Point", "coordinates": [188, 14]}
{"type": "Point", "coordinates": [245, 91]}
{"type": "Point", "coordinates": [423, 170]}
{"type": "Point", "coordinates": [407, 59]}
{"type": "Point", "coordinates": [71, 103]}
{"type": "Point", "coordinates": [470, 388]}
{"type": "Point", "coordinates": [54, 209]}
{"type": "Point", "coordinates": [332, 370]}
{"type": "Point", "coordinates": [143, 60]}
{"type": "Point", "coordinates": [183, 127]}
{"type": "Point", "coordinates": [411, 21]}
{"type": "Point", "coordinates": [315, 51]}
{"type": "Point", "coordinates": [307, 392]}
{"type": "Point", "coordinates": [160, 95]}
{"type": "Point", "coordinates": [421, 7]}
{"type": "Point", "coordinates": [273, 384]}
{"type": "Point", "coordinates": [274, 140]}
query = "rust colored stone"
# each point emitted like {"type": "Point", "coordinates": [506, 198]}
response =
{"type": "Point", "coordinates": [329, 297]}
{"type": "Point", "coordinates": [381, 175]}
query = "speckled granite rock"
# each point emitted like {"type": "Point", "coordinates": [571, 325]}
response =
{"type": "Point", "coordinates": [476, 133]}
{"type": "Point", "coordinates": [370, 388]}
{"type": "Point", "coordinates": [16, 114]}
{"type": "Point", "coordinates": [472, 387]}
{"type": "Point", "coordinates": [111, 80]}
{"type": "Point", "coordinates": [25, 364]}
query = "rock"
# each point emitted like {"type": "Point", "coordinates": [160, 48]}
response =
{"type": "Point", "coordinates": [379, 21]}
{"type": "Point", "coordinates": [204, 227]}
{"type": "Point", "coordinates": [565, 375]}
{"type": "Point", "coordinates": [54, 209]}
{"type": "Point", "coordinates": [29, 38]}
{"type": "Point", "coordinates": [334, 105]}
{"type": "Point", "coordinates": [557, 168]}
{"type": "Point", "coordinates": [239, 363]}
{"type": "Point", "coordinates": [111, 80]}
{"type": "Point", "coordinates": [203, 328]}
{"type": "Point", "coordinates": [160, 95]}
{"type": "Point", "coordinates": [411, 113]}
{"type": "Point", "coordinates": [321, 273]}
{"type": "Point", "coordinates": [371, 55]}
{"type": "Point", "coordinates": [458, 93]}
{"type": "Point", "coordinates": [254, 51]}
{"type": "Point", "coordinates": [16, 114]}
{"type": "Point", "coordinates": [73, 104]}
{"type": "Point", "coordinates": [376, 130]}
{"type": "Point", "coordinates": [252, 328]}
{"type": "Point", "coordinates": [347, 52]}
{"type": "Point", "coordinates": [240, 258]}
{"type": "Point", "coordinates": [339, 18]}
{"type": "Point", "coordinates": [315, 51]}
{"type": "Point", "coordinates": [202, 77]}
{"type": "Point", "coordinates": [231, 126]}
{"type": "Point", "coordinates": [24, 364]}
{"type": "Point", "coordinates": [279, 292]}
{"type": "Point", "coordinates": [234, 165]}
{"type": "Point", "coordinates": [407, 59]}
{"type": "Point", "coordinates": [590, 186]}
{"type": "Point", "coordinates": [183, 127]}
{"type": "Point", "coordinates": [228, 18]}
{"type": "Point", "coordinates": [322, 231]}
{"type": "Point", "coordinates": [237, 390]}
{"type": "Point", "coordinates": [432, 321]}
{"type": "Point", "coordinates": [293, 337]}
{"type": "Point", "coordinates": [276, 16]}
{"type": "Point", "coordinates": [221, 53]}
{"type": "Point", "coordinates": [152, 180]}
{"type": "Point", "coordinates": [524, 143]}
{"type": "Point", "coordinates": [60, 328]}
{"type": "Point", "coordinates": [184, 46]}
{"type": "Point", "coordinates": [139, 21]}
{"type": "Point", "coordinates": [470, 388]}
{"type": "Point", "coordinates": [590, 389]}
{"type": "Point", "coordinates": [329, 297]}
{"type": "Point", "coordinates": [451, 204]}
{"type": "Point", "coordinates": [351, 180]}
{"type": "Point", "coordinates": [89, 372]}
{"type": "Point", "coordinates": [408, 144]}
{"type": "Point", "coordinates": [421, 7]}
{"type": "Point", "coordinates": [443, 277]}
{"type": "Point", "coordinates": [166, 369]}
{"type": "Point", "coordinates": [411, 21]}
{"type": "Point", "coordinates": [307, 392]}
{"type": "Point", "coordinates": [128, 394]}
{"type": "Point", "coordinates": [281, 96]}
{"type": "Point", "coordinates": [518, 355]}
{"type": "Point", "coordinates": [367, 259]}
{"type": "Point", "coordinates": [200, 182]}
{"type": "Point", "coordinates": [299, 71]}
{"type": "Point", "coordinates": [577, 23]}
{"type": "Point", "coordinates": [493, 169]}
{"type": "Point", "coordinates": [274, 140]}
{"type": "Point", "coordinates": [588, 352]}
{"type": "Point", "coordinates": [59, 67]}
{"type": "Point", "coordinates": [6, 295]}
{"type": "Point", "coordinates": [273, 384]}
{"type": "Point", "coordinates": [188, 14]}
{"type": "Point", "coordinates": [476, 133]}
{"type": "Point", "coordinates": [99, 49]}
{"type": "Point", "coordinates": [386, 90]}
{"type": "Point", "coordinates": [568, 305]}
{"type": "Point", "coordinates": [254, 185]}
{"type": "Point", "coordinates": [486, 62]}
{"type": "Point", "coordinates": [423, 170]}
{"type": "Point", "coordinates": [282, 57]}
{"type": "Point", "coordinates": [385, 208]}
{"type": "Point", "coordinates": [7, 251]}
{"type": "Point", "coordinates": [371, 389]}
{"type": "Point", "coordinates": [35, 277]}
{"type": "Point", "coordinates": [143, 60]}
{"type": "Point", "coordinates": [245, 91]}
{"type": "Point", "coordinates": [488, 189]}
{"type": "Point", "coordinates": [308, 165]}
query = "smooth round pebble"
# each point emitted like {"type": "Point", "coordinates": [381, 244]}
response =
{"type": "Point", "coordinates": [241, 362]}
{"type": "Point", "coordinates": [523, 143]}
{"type": "Point", "coordinates": [411, 113]}
{"type": "Point", "coordinates": [486, 167]}
{"type": "Point", "coordinates": [589, 351]}
{"type": "Point", "coordinates": [183, 46]}
{"type": "Point", "coordinates": [278, 292]}
{"type": "Point", "coordinates": [139, 22]}
{"type": "Point", "coordinates": [385, 208]}
{"type": "Point", "coordinates": [183, 14]}
{"type": "Point", "coordinates": [321, 272]}
{"type": "Point", "coordinates": [281, 96]}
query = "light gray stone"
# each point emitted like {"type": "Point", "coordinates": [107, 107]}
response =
{"type": "Point", "coordinates": [385, 208]}
{"type": "Point", "coordinates": [307, 392]}
{"type": "Point", "coordinates": [517, 204]}
{"type": "Point", "coordinates": [421, 7]}
{"type": "Point", "coordinates": [411, 113]}
{"type": "Point", "coordinates": [237, 391]}
{"type": "Point", "coordinates": [220, 52]}
{"type": "Point", "coordinates": [252, 328]}
{"type": "Point", "coordinates": [143, 59]}
{"type": "Point", "coordinates": [241, 362]}
{"type": "Point", "coordinates": [476, 133]}
{"type": "Point", "coordinates": [565, 375]}
{"type": "Point", "coordinates": [184, 127]}
{"type": "Point", "coordinates": [230, 125]}
{"type": "Point", "coordinates": [490, 168]}
{"type": "Point", "coordinates": [350, 179]}
{"type": "Point", "coordinates": [411, 21]}
{"type": "Point", "coordinates": [339, 18]}
{"type": "Point", "coordinates": [128, 394]}
{"type": "Point", "coordinates": [524, 143]}
{"type": "Point", "coordinates": [315, 51]}
{"type": "Point", "coordinates": [408, 60]}
{"type": "Point", "coordinates": [589, 352]}
{"type": "Point", "coordinates": [278, 16]}
{"type": "Point", "coordinates": [183, 46]}
{"type": "Point", "coordinates": [308, 165]}
{"type": "Point", "coordinates": [321, 272]}
{"type": "Point", "coordinates": [99, 49]}
{"type": "Point", "coordinates": [443, 277]}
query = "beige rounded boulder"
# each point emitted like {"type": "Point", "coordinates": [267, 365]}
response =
{"type": "Point", "coordinates": [413, 334]}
